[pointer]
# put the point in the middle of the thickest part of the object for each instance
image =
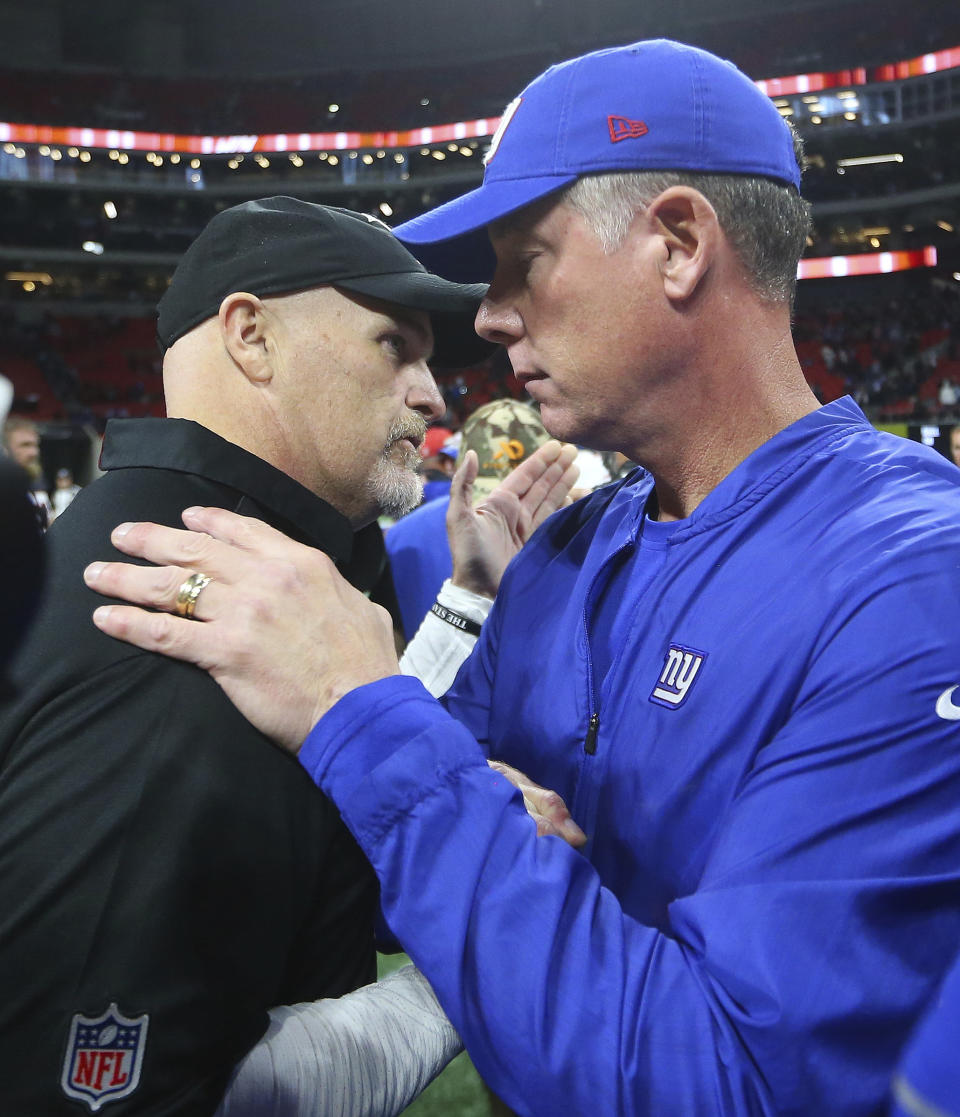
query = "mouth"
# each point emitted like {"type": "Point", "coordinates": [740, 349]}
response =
{"type": "Point", "coordinates": [528, 377]}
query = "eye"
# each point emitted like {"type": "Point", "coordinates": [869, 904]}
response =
{"type": "Point", "coordinates": [396, 344]}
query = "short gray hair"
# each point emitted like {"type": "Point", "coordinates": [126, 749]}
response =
{"type": "Point", "coordinates": [766, 222]}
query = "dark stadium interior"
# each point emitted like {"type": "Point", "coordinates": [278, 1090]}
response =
{"type": "Point", "coordinates": [90, 236]}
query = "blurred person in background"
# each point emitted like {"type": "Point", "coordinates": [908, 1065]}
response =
{"type": "Point", "coordinates": [438, 465]}
{"type": "Point", "coordinates": [21, 549]}
{"type": "Point", "coordinates": [65, 489]}
{"type": "Point", "coordinates": [737, 665]}
{"type": "Point", "coordinates": [955, 445]}
{"type": "Point", "coordinates": [21, 440]}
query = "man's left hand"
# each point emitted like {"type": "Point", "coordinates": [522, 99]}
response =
{"type": "Point", "coordinates": [483, 539]}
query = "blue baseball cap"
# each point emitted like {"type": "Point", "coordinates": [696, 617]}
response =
{"type": "Point", "coordinates": [654, 105]}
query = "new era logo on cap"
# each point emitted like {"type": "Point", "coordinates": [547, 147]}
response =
{"type": "Point", "coordinates": [623, 128]}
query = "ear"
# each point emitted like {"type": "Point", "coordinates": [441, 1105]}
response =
{"type": "Point", "coordinates": [245, 330]}
{"type": "Point", "coordinates": [690, 235]}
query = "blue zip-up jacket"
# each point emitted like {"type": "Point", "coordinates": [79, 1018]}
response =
{"type": "Point", "coordinates": [751, 713]}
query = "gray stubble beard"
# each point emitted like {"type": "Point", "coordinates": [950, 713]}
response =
{"type": "Point", "coordinates": [398, 489]}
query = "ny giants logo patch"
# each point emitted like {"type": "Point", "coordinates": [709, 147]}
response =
{"type": "Point", "coordinates": [623, 128]}
{"type": "Point", "coordinates": [680, 668]}
{"type": "Point", "coordinates": [104, 1057]}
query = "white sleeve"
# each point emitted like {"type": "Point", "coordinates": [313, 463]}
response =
{"type": "Point", "coordinates": [436, 651]}
{"type": "Point", "coordinates": [367, 1054]}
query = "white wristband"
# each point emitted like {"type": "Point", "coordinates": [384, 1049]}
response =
{"type": "Point", "coordinates": [438, 649]}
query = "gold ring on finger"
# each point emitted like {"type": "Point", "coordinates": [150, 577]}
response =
{"type": "Point", "coordinates": [189, 591]}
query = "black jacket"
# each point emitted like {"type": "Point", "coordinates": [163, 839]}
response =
{"type": "Point", "coordinates": [157, 853]}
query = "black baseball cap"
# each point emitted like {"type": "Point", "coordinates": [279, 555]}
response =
{"type": "Point", "coordinates": [272, 246]}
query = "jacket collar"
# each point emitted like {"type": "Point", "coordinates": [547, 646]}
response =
{"type": "Point", "coordinates": [187, 447]}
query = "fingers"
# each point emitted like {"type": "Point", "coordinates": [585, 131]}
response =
{"type": "Point", "coordinates": [156, 586]}
{"type": "Point", "coordinates": [175, 547]}
{"type": "Point", "coordinates": [545, 476]}
{"type": "Point", "coordinates": [461, 487]}
{"type": "Point", "coordinates": [158, 632]}
{"type": "Point", "coordinates": [227, 547]}
{"type": "Point", "coordinates": [557, 494]}
{"type": "Point", "coordinates": [545, 807]}
{"type": "Point", "coordinates": [530, 471]}
{"type": "Point", "coordinates": [243, 532]}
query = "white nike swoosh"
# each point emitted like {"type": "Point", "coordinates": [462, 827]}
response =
{"type": "Point", "coordinates": [946, 708]}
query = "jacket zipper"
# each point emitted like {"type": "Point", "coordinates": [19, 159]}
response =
{"type": "Point", "coordinates": [590, 744]}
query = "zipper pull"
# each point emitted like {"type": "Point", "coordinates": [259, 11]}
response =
{"type": "Point", "coordinates": [590, 744]}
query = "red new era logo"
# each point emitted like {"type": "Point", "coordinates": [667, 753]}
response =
{"type": "Point", "coordinates": [623, 128]}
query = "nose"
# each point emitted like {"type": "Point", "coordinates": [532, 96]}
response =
{"type": "Point", "coordinates": [424, 396]}
{"type": "Point", "coordinates": [498, 320]}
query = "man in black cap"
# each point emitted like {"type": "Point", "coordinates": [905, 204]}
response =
{"type": "Point", "coordinates": [152, 909]}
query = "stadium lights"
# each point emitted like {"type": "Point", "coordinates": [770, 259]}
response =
{"type": "Point", "coordinates": [439, 154]}
{"type": "Point", "coordinates": [93, 246]}
{"type": "Point", "coordinates": [85, 156]}
{"type": "Point", "coordinates": [816, 120]}
{"type": "Point", "coordinates": [869, 160]}
{"type": "Point", "coordinates": [110, 210]}
{"type": "Point", "coordinates": [368, 160]}
{"type": "Point", "coordinates": [945, 225]}
{"type": "Point", "coordinates": [175, 157]}
{"type": "Point", "coordinates": [849, 116]}
{"type": "Point", "coordinates": [398, 157]}
{"type": "Point", "coordinates": [956, 276]}
{"type": "Point", "coordinates": [30, 277]}
{"type": "Point", "coordinates": [123, 158]}
{"type": "Point", "coordinates": [43, 149]}
{"type": "Point", "coordinates": [195, 164]}
{"type": "Point", "coordinates": [424, 101]}
{"type": "Point", "coordinates": [386, 209]}
{"type": "Point", "coordinates": [466, 151]}
{"type": "Point", "coordinates": [333, 107]}
{"type": "Point", "coordinates": [333, 160]}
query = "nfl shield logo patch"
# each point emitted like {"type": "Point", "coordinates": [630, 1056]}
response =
{"type": "Point", "coordinates": [104, 1056]}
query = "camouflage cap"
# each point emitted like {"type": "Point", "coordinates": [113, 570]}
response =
{"type": "Point", "coordinates": [503, 433]}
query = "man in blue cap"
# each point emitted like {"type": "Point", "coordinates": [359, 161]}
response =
{"type": "Point", "coordinates": [739, 666]}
